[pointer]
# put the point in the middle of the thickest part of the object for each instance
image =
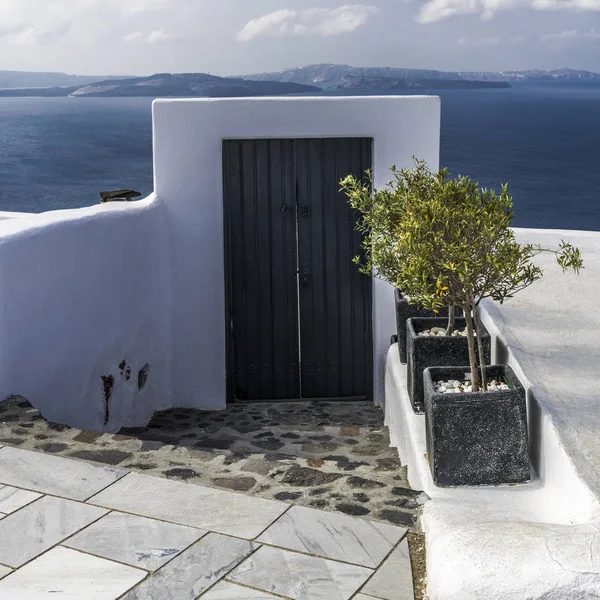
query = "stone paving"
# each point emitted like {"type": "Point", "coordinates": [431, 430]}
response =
{"type": "Point", "coordinates": [333, 456]}
{"type": "Point", "coordinates": [71, 529]}
{"type": "Point", "coordinates": [330, 456]}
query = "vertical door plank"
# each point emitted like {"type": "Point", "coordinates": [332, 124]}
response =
{"type": "Point", "coordinates": [366, 284]}
{"type": "Point", "coordinates": [236, 267]}
{"type": "Point", "coordinates": [346, 269]}
{"type": "Point", "coordinates": [264, 258]}
{"type": "Point", "coordinates": [330, 384]}
{"type": "Point", "coordinates": [286, 383]}
{"type": "Point", "coordinates": [318, 323]}
{"type": "Point", "coordinates": [305, 279]}
{"type": "Point", "coordinates": [249, 281]}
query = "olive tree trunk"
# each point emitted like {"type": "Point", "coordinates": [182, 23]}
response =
{"type": "Point", "coordinates": [469, 310]}
{"type": "Point", "coordinates": [480, 350]}
{"type": "Point", "coordinates": [450, 327]}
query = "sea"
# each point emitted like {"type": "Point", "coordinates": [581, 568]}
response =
{"type": "Point", "coordinates": [543, 140]}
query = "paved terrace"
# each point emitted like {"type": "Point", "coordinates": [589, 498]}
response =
{"type": "Point", "coordinates": [74, 530]}
{"type": "Point", "coordinates": [138, 531]}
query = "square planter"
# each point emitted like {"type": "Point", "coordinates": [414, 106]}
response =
{"type": "Point", "coordinates": [476, 438]}
{"type": "Point", "coordinates": [423, 352]}
{"type": "Point", "coordinates": [405, 311]}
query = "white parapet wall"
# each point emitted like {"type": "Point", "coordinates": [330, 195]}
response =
{"type": "Point", "coordinates": [82, 291]}
{"type": "Point", "coordinates": [4, 215]}
{"type": "Point", "coordinates": [188, 137]}
{"type": "Point", "coordinates": [537, 541]}
{"type": "Point", "coordinates": [91, 296]}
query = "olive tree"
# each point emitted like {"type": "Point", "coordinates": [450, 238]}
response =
{"type": "Point", "coordinates": [446, 242]}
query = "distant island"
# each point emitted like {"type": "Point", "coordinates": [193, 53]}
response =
{"type": "Point", "coordinates": [332, 76]}
{"type": "Point", "coordinates": [167, 85]}
{"type": "Point", "coordinates": [391, 83]}
{"type": "Point", "coordinates": [301, 80]}
{"type": "Point", "coordinates": [27, 79]}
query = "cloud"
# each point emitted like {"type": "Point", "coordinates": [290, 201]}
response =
{"type": "Point", "coordinates": [154, 37]}
{"type": "Point", "coordinates": [571, 35]}
{"type": "Point", "coordinates": [489, 42]}
{"type": "Point", "coordinates": [479, 42]}
{"type": "Point", "coordinates": [132, 7]}
{"type": "Point", "coordinates": [127, 7]}
{"type": "Point", "coordinates": [157, 37]}
{"type": "Point", "coordinates": [135, 36]}
{"type": "Point", "coordinates": [313, 21]}
{"type": "Point", "coordinates": [437, 10]}
{"type": "Point", "coordinates": [27, 35]}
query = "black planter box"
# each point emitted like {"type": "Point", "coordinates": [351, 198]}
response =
{"type": "Point", "coordinates": [476, 438]}
{"type": "Point", "coordinates": [405, 311]}
{"type": "Point", "coordinates": [444, 351]}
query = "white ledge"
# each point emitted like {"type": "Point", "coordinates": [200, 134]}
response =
{"type": "Point", "coordinates": [539, 540]}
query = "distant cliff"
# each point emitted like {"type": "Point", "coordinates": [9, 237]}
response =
{"type": "Point", "coordinates": [331, 76]}
{"type": "Point", "coordinates": [388, 83]}
{"type": "Point", "coordinates": [26, 79]}
{"type": "Point", "coordinates": [166, 85]}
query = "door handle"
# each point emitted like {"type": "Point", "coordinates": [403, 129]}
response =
{"type": "Point", "coordinates": [304, 210]}
{"type": "Point", "coordinates": [285, 209]}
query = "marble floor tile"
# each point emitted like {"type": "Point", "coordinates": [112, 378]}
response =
{"type": "Point", "coordinates": [393, 580]}
{"type": "Point", "coordinates": [40, 525]}
{"type": "Point", "coordinates": [4, 571]}
{"type": "Point", "coordinates": [299, 576]}
{"type": "Point", "coordinates": [136, 541]}
{"type": "Point", "coordinates": [69, 575]}
{"type": "Point", "coordinates": [194, 570]}
{"type": "Point", "coordinates": [332, 535]}
{"type": "Point", "coordinates": [12, 499]}
{"type": "Point", "coordinates": [365, 597]}
{"type": "Point", "coordinates": [189, 504]}
{"type": "Point", "coordinates": [56, 475]}
{"type": "Point", "coordinates": [225, 590]}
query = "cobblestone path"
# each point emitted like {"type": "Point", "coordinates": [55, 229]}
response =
{"type": "Point", "coordinates": [331, 456]}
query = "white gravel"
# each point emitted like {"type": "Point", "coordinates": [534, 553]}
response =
{"type": "Point", "coordinates": [441, 332]}
{"type": "Point", "coordinates": [453, 386]}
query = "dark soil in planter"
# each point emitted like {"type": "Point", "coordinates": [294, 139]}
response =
{"type": "Point", "coordinates": [438, 351]}
{"type": "Point", "coordinates": [476, 438]}
{"type": "Point", "coordinates": [405, 311]}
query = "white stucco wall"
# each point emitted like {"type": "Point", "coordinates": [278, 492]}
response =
{"type": "Point", "coordinates": [4, 215]}
{"type": "Point", "coordinates": [81, 291]}
{"type": "Point", "coordinates": [535, 541]}
{"type": "Point", "coordinates": [188, 137]}
{"type": "Point", "coordinates": [143, 282]}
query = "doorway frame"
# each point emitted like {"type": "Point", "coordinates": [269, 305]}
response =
{"type": "Point", "coordinates": [229, 285]}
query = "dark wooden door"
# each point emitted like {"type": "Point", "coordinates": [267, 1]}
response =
{"type": "Point", "coordinates": [298, 310]}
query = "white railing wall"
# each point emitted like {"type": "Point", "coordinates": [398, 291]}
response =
{"type": "Point", "coordinates": [82, 292]}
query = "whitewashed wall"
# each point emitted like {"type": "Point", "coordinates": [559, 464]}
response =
{"type": "Point", "coordinates": [81, 291]}
{"type": "Point", "coordinates": [188, 137]}
{"type": "Point", "coordinates": [4, 215]}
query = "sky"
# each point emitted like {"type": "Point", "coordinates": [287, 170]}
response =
{"type": "Point", "coordinates": [235, 37]}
